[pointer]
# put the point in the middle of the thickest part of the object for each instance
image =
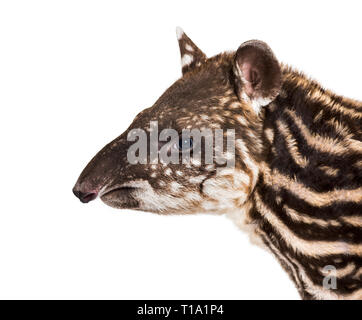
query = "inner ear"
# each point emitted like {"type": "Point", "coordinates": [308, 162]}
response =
{"type": "Point", "coordinates": [251, 77]}
{"type": "Point", "coordinates": [258, 73]}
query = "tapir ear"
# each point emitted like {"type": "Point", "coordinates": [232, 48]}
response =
{"type": "Point", "coordinates": [191, 55]}
{"type": "Point", "coordinates": [257, 73]}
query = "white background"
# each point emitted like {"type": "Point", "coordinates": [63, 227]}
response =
{"type": "Point", "coordinates": [73, 74]}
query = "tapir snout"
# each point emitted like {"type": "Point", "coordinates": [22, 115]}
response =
{"type": "Point", "coordinates": [100, 171]}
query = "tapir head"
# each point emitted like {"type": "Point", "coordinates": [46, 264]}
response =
{"type": "Point", "coordinates": [222, 96]}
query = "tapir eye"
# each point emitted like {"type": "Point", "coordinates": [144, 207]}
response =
{"type": "Point", "coordinates": [184, 144]}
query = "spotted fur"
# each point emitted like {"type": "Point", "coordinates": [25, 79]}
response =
{"type": "Point", "coordinates": [297, 182]}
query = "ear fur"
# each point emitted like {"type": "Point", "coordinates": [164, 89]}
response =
{"type": "Point", "coordinates": [191, 55]}
{"type": "Point", "coordinates": [257, 73]}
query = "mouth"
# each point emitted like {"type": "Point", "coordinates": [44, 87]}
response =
{"type": "Point", "coordinates": [123, 189]}
{"type": "Point", "coordinates": [121, 197]}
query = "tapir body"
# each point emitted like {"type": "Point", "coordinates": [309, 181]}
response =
{"type": "Point", "coordinates": [296, 175]}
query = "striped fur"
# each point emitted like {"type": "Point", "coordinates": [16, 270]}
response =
{"type": "Point", "coordinates": [297, 181]}
{"type": "Point", "coordinates": [308, 199]}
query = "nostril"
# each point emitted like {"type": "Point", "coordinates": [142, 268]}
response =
{"type": "Point", "coordinates": [85, 196]}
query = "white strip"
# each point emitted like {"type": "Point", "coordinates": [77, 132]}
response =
{"type": "Point", "coordinates": [308, 248]}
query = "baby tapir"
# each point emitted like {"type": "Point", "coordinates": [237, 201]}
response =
{"type": "Point", "coordinates": [295, 179]}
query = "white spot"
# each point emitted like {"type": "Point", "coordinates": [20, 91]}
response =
{"type": "Point", "coordinates": [235, 105]}
{"type": "Point", "coordinates": [189, 48]}
{"type": "Point", "coordinates": [175, 186]}
{"type": "Point", "coordinates": [241, 120]}
{"type": "Point", "coordinates": [186, 60]}
{"type": "Point", "coordinates": [195, 162]}
{"type": "Point", "coordinates": [168, 171]}
{"type": "Point", "coordinates": [210, 167]}
{"type": "Point", "coordinates": [179, 33]}
{"type": "Point", "coordinates": [256, 103]}
{"type": "Point", "coordinates": [197, 179]}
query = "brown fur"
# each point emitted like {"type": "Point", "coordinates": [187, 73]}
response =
{"type": "Point", "coordinates": [297, 181]}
